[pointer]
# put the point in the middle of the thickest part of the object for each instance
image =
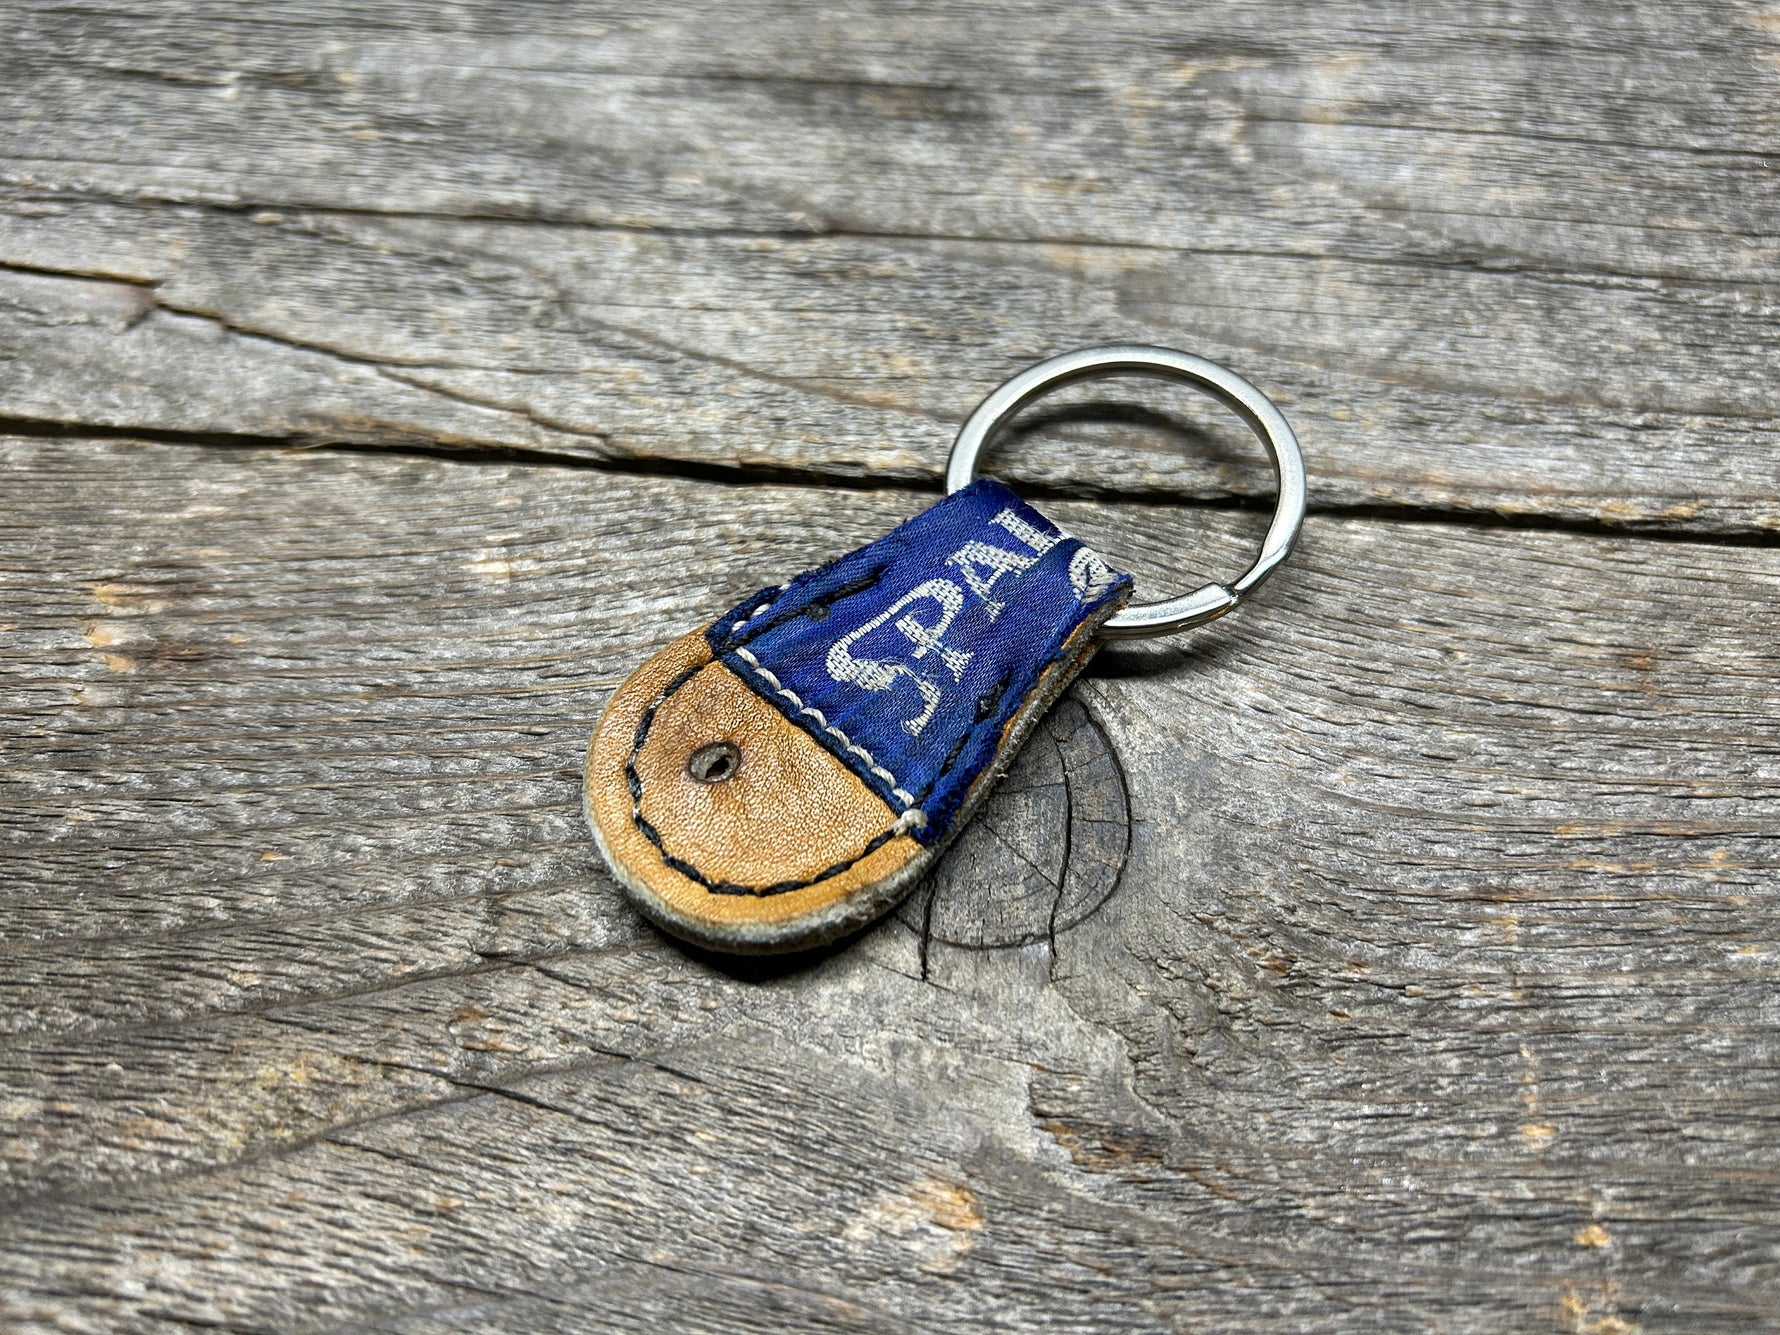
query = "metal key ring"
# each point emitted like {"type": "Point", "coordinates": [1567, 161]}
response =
{"type": "Point", "coordinates": [1210, 600]}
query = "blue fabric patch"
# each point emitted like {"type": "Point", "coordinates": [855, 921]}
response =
{"type": "Point", "coordinates": [907, 657]}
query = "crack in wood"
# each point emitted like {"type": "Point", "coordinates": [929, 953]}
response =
{"type": "Point", "coordinates": [1436, 990]}
{"type": "Point", "coordinates": [762, 475]}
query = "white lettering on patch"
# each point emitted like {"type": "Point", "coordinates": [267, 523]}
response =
{"type": "Point", "coordinates": [879, 675]}
{"type": "Point", "coordinates": [1040, 541]}
{"type": "Point", "coordinates": [1089, 575]}
{"type": "Point", "coordinates": [981, 565]}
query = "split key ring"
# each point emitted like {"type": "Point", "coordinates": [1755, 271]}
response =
{"type": "Point", "coordinates": [1264, 419]}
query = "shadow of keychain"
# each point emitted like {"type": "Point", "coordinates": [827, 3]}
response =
{"type": "Point", "coordinates": [788, 773]}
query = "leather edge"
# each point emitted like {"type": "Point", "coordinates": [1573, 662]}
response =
{"type": "Point", "coordinates": [812, 927]}
{"type": "Point", "coordinates": [870, 900]}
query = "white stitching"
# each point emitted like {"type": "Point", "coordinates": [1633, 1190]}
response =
{"type": "Point", "coordinates": [756, 612]}
{"type": "Point", "coordinates": [911, 818]}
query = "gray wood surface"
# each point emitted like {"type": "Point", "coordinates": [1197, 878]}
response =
{"type": "Point", "coordinates": [380, 384]}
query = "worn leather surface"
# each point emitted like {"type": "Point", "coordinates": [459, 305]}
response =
{"type": "Point", "coordinates": [798, 808]}
{"type": "Point", "coordinates": [790, 813]}
{"type": "Point", "coordinates": [873, 703]}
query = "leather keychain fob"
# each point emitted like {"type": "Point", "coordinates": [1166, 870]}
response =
{"type": "Point", "coordinates": [787, 773]}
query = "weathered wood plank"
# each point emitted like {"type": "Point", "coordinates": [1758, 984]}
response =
{"type": "Point", "coordinates": [1409, 959]}
{"type": "Point", "coordinates": [1438, 989]}
{"type": "Point", "coordinates": [1483, 130]}
{"type": "Point", "coordinates": [1493, 260]}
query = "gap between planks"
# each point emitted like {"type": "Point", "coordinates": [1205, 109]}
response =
{"type": "Point", "coordinates": [757, 475]}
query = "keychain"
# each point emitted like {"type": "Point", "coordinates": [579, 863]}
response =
{"type": "Point", "coordinates": [787, 773]}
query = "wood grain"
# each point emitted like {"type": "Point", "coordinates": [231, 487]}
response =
{"type": "Point", "coordinates": [1432, 994]}
{"type": "Point", "coordinates": [380, 384]}
{"type": "Point", "coordinates": [1514, 263]}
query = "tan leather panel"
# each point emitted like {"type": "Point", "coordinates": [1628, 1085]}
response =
{"type": "Point", "coordinates": [790, 812]}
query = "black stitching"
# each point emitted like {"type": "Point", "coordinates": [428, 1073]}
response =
{"type": "Point", "coordinates": [691, 872]}
{"type": "Point", "coordinates": [753, 628]}
{"type": "Point", "coordinates": [987, 705]}
{"type": "Point", "coordinates": [634, 782]}
{"type": "Point", "coordinates": [727, 642]}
